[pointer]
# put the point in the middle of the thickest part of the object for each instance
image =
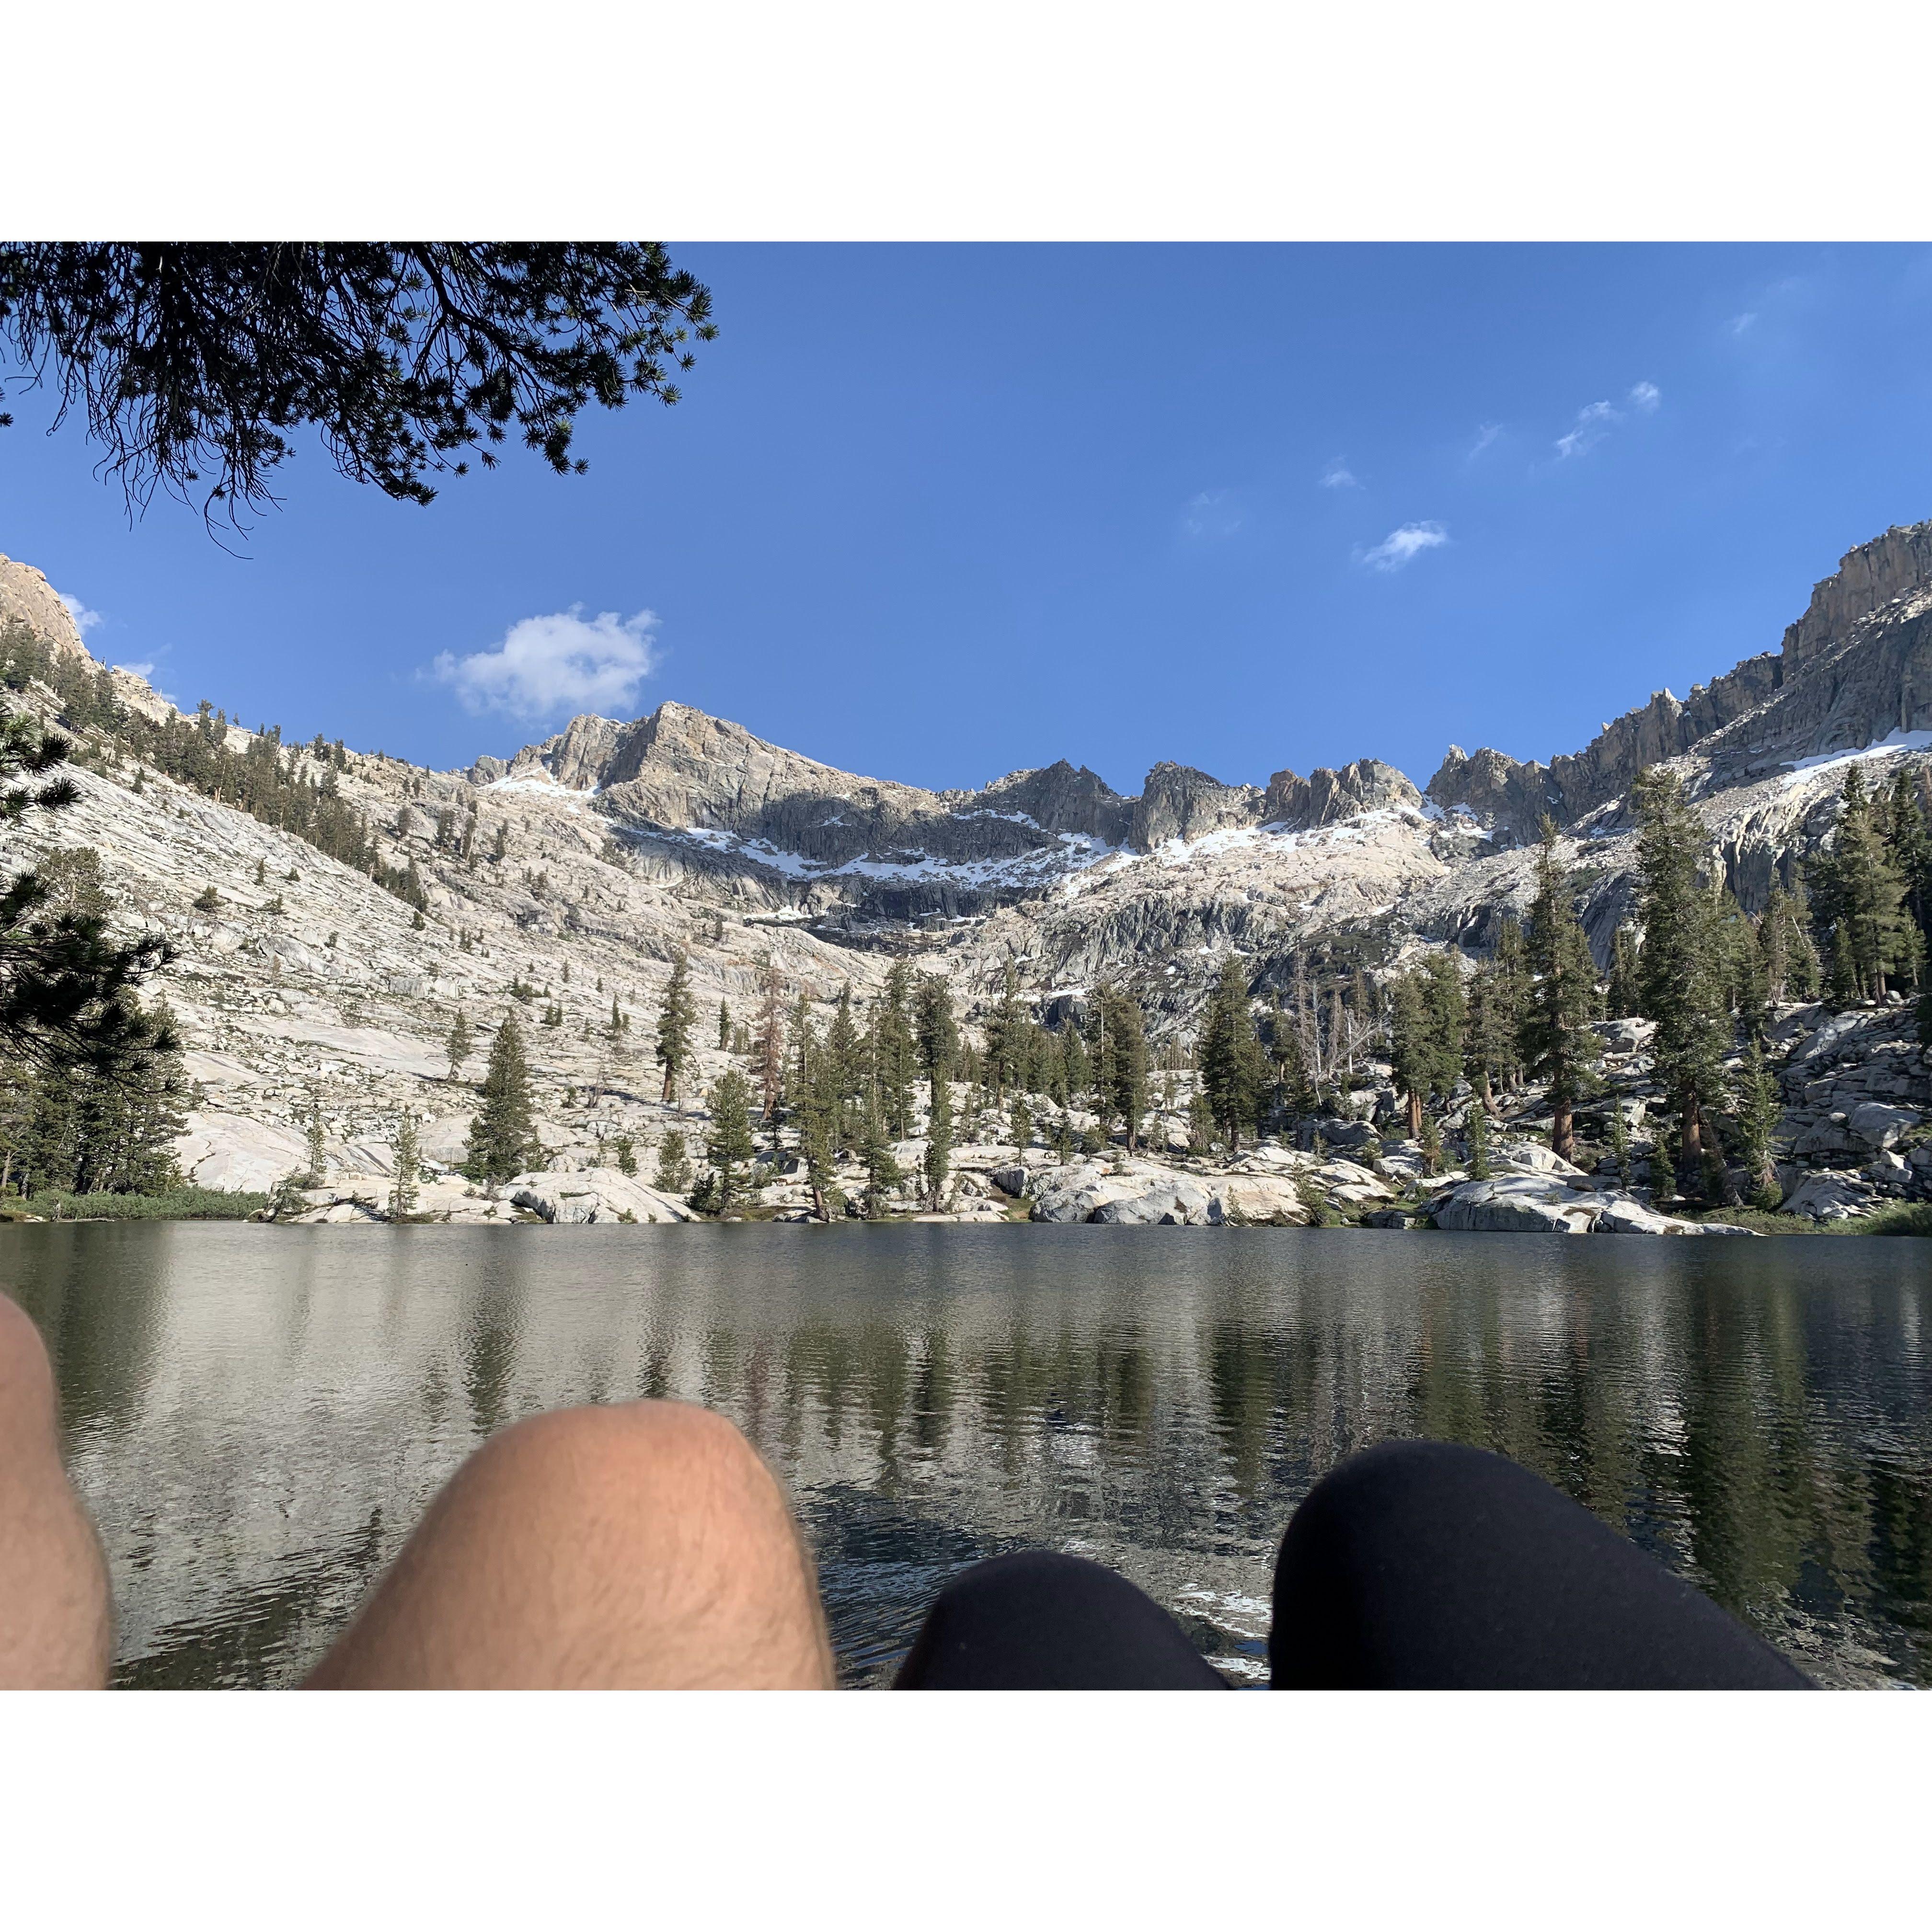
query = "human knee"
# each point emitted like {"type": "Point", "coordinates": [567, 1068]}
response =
{"type": "Point", "coordinates": [1409, 1478]}
{"type": "Point", "coordinates": [668, 1485]}
{"type": "Point", "coordinates": [642, 1451]}
{"type": "Point", "coordinates": [27, 1403]}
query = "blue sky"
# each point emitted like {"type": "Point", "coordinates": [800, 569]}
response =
{"type": "Point", "coordinates": [935, 513]}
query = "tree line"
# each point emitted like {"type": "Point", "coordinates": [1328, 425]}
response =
{"type": "Point", "coordinates": [846, 1087]}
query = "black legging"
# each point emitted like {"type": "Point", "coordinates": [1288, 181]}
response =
{"type": "Point", "coordinates": [1413, 1566]}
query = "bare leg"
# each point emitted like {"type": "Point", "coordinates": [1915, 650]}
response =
{"type": "Point", "coordinates": [54, 1620]}
{"type": "Point", "coordinates": [644, 1546]}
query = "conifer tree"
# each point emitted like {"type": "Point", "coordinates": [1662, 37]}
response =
{"type": "Point", "coordinates": [80, 1129]}
{"type": "Point", "coordinates": [1774, 944]}
{"type": "Point", "coordinates": [1079, 1067]}
{"type": "Point", "coordinates": [1621, 1001]}
{"type": "Point", "coordinates": [1478, 1133]}
{"type": "Point", "coordinates": [1426, 1026]}
{"type": "Point", "coordinates": [729, 1147]}
{"type": "Point", "coordinates": [1410, 1058]}
{"type": "Point", "coordinates": [1910, 838]}
{"type": "Point", "coordinates": [844, 1068]}
{"type": "Point", "coordinates": [1512, 968]}
{"type": "Point", "coordinates": [1120, 1079]}
{"type": "Point", "coordinates": [1620, 1146]}
{"type": "Point", "coordinates": [502, 1135]}
{"type": "Point", "coordinates": [769, 1044]}
{"type": "Point", "coordinates": [1747, 984]}
{"type": "Point", "coordinates": [895, 1050]}
{"type": "Point", "coordinates": [1004, 1031]}
{"type": "Point", "coordinates": [1755, 1097]}
{"type": "Point", "coordinates": [673, 1168]}
{"type": "Point", "coordinates": [1230, 1054]}
{"type": "Point", "coordinates": [1294, 1090]}
{"type": "Point", "coordinates": [938, 1163]}
{"type": "Point", "coordinates": [816, 1110]}
{"type": "Point", "coordinates": [938, 1032]}
{"type": "Point", "coordinates": [460, 1044]}
{"type": "Point", "coordinates": [1680, 980]}
{"type": "Point", "coordinates": [1490, 1053]}
{"type": "Point", "coordinates": [675, 1017]}
{"type": "Point", "coordinates": [402, 1194]}
{"type": "Point", "coordinates": [314, 1139]}
{"type": "Point", "coordinates": [1859, 891]}
{"type": "Point", "coordinates": [1557, 1044]}
{"type": "Point", "coordinates": [875, 1152]}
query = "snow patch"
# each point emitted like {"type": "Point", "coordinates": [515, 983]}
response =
{"type": "Point", "coordinates": [540, 787]}
{"type": "Point", "coordinates": [1890, 746]}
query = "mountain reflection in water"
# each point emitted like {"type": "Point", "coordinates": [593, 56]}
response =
{"type": "Point", "coordinates": [256, 1417]}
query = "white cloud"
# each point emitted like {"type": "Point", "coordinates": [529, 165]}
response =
{"type": "Point", "coordinates": [1592, 423]}
{"type": "Point", "coordinates": [1404, 545]}
{"type": "Point", "coordinates": [1738, 324]}
{"type": "Point", "coordinates": [1213, 513]}
{"type": "Point", "coordinates": [1339, 476]}
{"type": "Point", "coordinates": [564, 662]}
{"type": "Point", "coordinates": [84, 620]}
{"type": "Point", "coordinates": [1595, 421]}
{"type": "Point", "coordinates": [146, 669]}
{"type": "Point", "coordinates": [1486, 434]}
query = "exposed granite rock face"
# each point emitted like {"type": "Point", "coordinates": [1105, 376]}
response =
{"type": "Point", "coordinates": [1327, 796]}
{"type": "Point", "coordinates": [1058, 798]}
{"type": "Point", "coordinates": [1500, 793]}
{"type": "Point", "coordinates": [1867, 579]}
{"type": "Point", "coordinates": [26, 597]}
{"type": "Point", "coordinates": [1854, 669]}
{"type": "Point", "coordinates": [1177, 802]}
{"type": "Point", "coordinates": [627, 841]}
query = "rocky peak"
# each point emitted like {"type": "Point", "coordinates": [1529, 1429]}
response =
{"type": "Point", "coordinates": [1854, 669]}
{"type": "Point", "coordinates": [1177, 802]}
{"type": "Point", "coordinates": [1328, 796]}
{"type": "Point", "coordinates": [1058, 798]}
{"type": "Point", "coordinates": [1867, 578]}
{"type": "Point", "coordinates": [1501, 793]}
{"type": "Point", "coordinates": [26, 597]}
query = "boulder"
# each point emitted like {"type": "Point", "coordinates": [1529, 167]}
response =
{"type": "Point", "coordinates": [1345, 1183]}
{"type": "Point", "coordinates": [1524, 1204]}
{"type": "Point", "coordinates": [1531, 1155]}
{"type": "Point", "coordinates": [1879, 1125]}
{"type": "Point", "coordinates": [1268, 1200]}
{"type": "Point", "coordinates": [1072, 1192]}
{"type": "Point", "coordinates": [598, 1194]}
{"type": "Point", "coordinates": [1830, 1197]}
{"type": "Point", "coordinates": [1626, 1216]}
{"type": "Point", "coordinates": [1011, 1181]}
{"type": "Point", "coordinates": [1172, 1204]}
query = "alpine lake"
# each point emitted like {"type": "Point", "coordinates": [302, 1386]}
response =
{"type": "Point", "coordinates": [257, 1416]}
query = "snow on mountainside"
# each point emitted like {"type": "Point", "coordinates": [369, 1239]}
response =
{"type": "Point", "coordinates": [624, 842]}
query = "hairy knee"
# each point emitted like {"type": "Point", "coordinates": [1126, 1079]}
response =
{"type": "Point", "coordinates": [639, 1449]}
{"type": "Point", "coordinates": [668, 1477]}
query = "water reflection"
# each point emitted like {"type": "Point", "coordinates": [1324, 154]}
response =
{"type": "Point", "coordinates": [256, 1417]}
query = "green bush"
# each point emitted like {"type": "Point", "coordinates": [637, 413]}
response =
{"type": "Point", "coordinates": [1902, 1217]}
{"type": "Point", "coordinates": [178, 1204]}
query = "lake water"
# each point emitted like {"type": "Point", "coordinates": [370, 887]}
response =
{"type": "Point", "coordinates": [257, 1416]}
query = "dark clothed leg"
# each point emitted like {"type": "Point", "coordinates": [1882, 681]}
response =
{"type": "Point", "coordinates": [1038, 1621]}
{"type": "Point", "coordinates": [1430, 1566]}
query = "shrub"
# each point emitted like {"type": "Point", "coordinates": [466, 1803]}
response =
{"type": "Point", "coordinates": [178, 1204]}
